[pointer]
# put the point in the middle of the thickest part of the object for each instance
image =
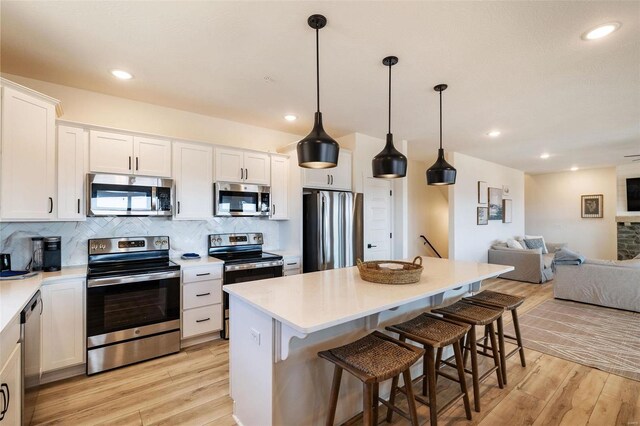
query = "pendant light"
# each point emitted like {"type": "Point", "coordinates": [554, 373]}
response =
{"type": "Point", "coordinates": [389, 163]}
{"type": "Point", "coordinates": [317, 150]}
{"type": "Point", "coordinates": [441, 173]}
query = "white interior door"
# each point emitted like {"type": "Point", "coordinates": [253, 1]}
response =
{"type": "Point", "coordinates": [377, 219]}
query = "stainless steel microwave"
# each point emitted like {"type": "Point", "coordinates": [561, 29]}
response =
{"type": "Point", "coordinates": [126, 195]}
{"type": "Point", "coordinates": [238, 199]}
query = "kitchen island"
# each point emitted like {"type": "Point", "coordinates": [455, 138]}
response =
{"type": "Point", "coordinates": [279, 325]}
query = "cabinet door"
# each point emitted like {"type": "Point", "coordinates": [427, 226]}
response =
{"type": "Point", "coordinates": [257, 168]}
{"type": "Point", "coordinates": [341, 174]}
{"type": "Point", "coordinates": [63, 340]}
{"type": "Point", "coordinates": [72, 167]}
{"type": "Point", "coordinates": [229, 165]}
{"type": "Point", "coordinates": [28, 157]}
{"type": "Point", "coordinates": [152, 157]}
{"type": "Point", "coordinates": [11, 389]}
{"type": "Point", "coordinates": [192, 173]}
{"type": "Point", "coordinates": [316, 178]}
{"type": "Point", "coordinates": [110, 152]}
{"type": "Point", "coordinates": [279, 187]}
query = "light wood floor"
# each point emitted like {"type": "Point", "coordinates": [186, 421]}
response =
{"type": "Point", "coordinates": [191, 388]}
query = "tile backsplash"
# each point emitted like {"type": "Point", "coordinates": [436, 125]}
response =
{"type": "Point", "coordinates": [185, 236]}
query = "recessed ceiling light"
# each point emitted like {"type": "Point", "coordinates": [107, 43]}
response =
{"type": "Point", "coordinates": [291, 117]}
{"type": "Point", "coordinates": [574, 169]}
{"type": "Point", "coordinates": [122, 75]}
{"type": "Point", "coordinates": [494, 133]}
{"type": "Point", "coordinates": [544, 156]}
{"type": "Point", "coordinates": [601, 31]}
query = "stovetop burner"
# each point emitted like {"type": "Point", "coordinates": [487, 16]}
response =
{"type": "Point", "coordinates": [240, 257]}
{"type": "Point", "coordinates": [239, 248]}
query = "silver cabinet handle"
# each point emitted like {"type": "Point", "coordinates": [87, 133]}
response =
{"type": "Point", "coordinates": [331, 179]}
{"type": "Point", "coordinates": [178, 207]}
{"type": "Point", "coordinates": [202, 294]}
{"type": "Point", "coordinates": [371, 246]}
{"type": "Point", "coordinates": [203, 320]}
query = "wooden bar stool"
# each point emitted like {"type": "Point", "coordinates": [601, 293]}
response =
{"type": "Point", "coordinates": [373, 359]}
{"type": "Point", "coordinates": [433, 332]}
{"type": "Point", "coordinates": [506, 302]}
{"type": "Point", "coordinates": [474, 315]}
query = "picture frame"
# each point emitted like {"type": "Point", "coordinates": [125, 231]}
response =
{"type": "Point", "coordinates": [495, 203]}
{"type": "Point", "coordinates": [483, 215]}
{"type": "Point", "coordinates": [482, 192]}
{"type": "Point", "coordinates": [592, 206]}
{"type": "Point", "coordinates": [507, 214]}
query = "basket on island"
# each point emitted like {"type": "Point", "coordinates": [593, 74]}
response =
{"type": "Point", "coordinates": [391, 271]}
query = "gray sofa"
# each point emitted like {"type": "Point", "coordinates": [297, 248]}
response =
{"type": "Point", "coordinates": [531, 265]}
{"type": "Point", "coordinates": [614, 284]}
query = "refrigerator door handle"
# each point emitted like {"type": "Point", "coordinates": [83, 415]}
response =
{"type": "Point", "coordinates": [322, 231]}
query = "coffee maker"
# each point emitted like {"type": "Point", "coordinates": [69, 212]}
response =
{"type": "Point", "coordinates": [52, 254]}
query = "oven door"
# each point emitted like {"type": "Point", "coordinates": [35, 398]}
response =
{"type": "Point", "coordinates": [234, 199]}
{"type": "Point", "coordinates": [122, 308]}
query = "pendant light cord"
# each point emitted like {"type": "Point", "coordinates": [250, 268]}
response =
{"type": "Point", "coordinates": [389, 99]}
{"type": "Point", "coordinates": [317, 70]}
{"type": "Point", "coordinates": [441, 119]}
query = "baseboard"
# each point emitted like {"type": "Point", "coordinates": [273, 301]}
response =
{"type": "Point", "coordinates": [63, 373]}
{"type": "Point", "coordinates": [192, 341]}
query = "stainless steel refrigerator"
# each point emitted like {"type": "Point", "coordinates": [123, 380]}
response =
{"type": "Point", "coordinates": [332, 229]}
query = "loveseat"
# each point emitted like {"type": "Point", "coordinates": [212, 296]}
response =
{"type": "Point", "coordinates": [614, 284]}
{"type": "Point", "coordinates": [531, 265]}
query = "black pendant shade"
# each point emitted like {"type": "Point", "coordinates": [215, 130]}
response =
{"type": "Point", "coordinates": [318, 150]}
{"type": "Point", "coordinates": [389, 163]}
{"type": "Point", "coordinates": [441, 173]}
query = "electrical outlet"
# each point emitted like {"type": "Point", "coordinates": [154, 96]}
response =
{"type": "Point", "coordinates": [255, 335]}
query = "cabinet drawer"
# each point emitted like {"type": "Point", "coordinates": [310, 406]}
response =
{"type": "Point", "coordinates": [291, 263]}
{"type": "Point", "coordinates": [201, 293]}
{"type": "Point", "coordinates": [201, 320]}
{"type": "Point", "coordinates": [288, 272]}
{"type": "Point", "coordinates": [207, 273]}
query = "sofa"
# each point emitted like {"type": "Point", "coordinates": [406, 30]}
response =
{"type": "Point", "coordinates": [531, 265]}
{"type": "Point", "coordinates": [610, 283]}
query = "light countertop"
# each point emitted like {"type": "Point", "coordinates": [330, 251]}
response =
{"type": "Point", "coordinates": [203, 261]}
{"type": "Point", "coordinates": [319, 300]}
{"type": "Point", "coordinates": [15, 294]}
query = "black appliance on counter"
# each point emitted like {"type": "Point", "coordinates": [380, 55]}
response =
{"type": "Point", "coordinates": [244, 261]}
{"type": "Point", "coordinates": [133, 302]}
{"type": "Point", "coordinates": [52, 254]}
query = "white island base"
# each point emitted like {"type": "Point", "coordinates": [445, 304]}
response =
{"type": "Point", "coordinates": [278, 326]}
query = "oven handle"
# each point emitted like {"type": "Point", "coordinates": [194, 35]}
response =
{"type": "Point", "coordinates": [101, 282]}
{"type": "Point", "coordinates": [257, 265]}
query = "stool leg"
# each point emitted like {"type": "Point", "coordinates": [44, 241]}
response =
{"type": "Point", "coordinates": [485, 339]}
{"type": "Point", "coordinates": [463, 383]}
{"type": "Point", "coordinates": [413, 413]}
{"type": "Point", "coordinates": [376, 388]}
{"type": "Point", "coordinates": [438, 362]}
{"type": "Point", "coordinates": [392, 397]}
{"type": "Point", "coordinates": [474, 367]}
{"type": "Point", "coordinates": [431, 379]}
{"type": "Point", "coordinates": [503, 356]}
{"type": "Point", "coordinates": [465, 348]}
{"type": "Point", "coordinates": [516, 326]}
{"type": "Point", "coordinates": [367, 406]}
{"type": "Point", "coordinates": [496, 356]}
{"type": "Point", "coordinates": [333, 399]}
{"type": "Point", "coordinates": [425, 369]}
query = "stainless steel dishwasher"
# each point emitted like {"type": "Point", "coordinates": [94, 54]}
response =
{"type": "Point", "coordinates": [30, 338]}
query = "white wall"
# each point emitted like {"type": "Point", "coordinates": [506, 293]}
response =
{"type": "Point", "coordinates": [623, 173]}
{"type": "Point", "coordinates": [96, 108]}
{"type": "Point", "coordinates": [467, 240]}
{"type": "Point", "coordinates": [553, 209]}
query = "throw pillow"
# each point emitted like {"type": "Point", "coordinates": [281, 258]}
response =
{"type": "Point", "coordinates": [544, 246]}
{"type": "Point", "coordinates": [511, 243]}
{"type": "Point", "coordinates": [533, 243]}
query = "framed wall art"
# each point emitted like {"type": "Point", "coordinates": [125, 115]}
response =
{"type": "Point", "coordinates": [506, 210]}
{"type": "Point", "coordinates": [483, 215]}
{"type": "Point", "coordinates": [495, 204]}
{"type": "Point", "coordinates": [592, 206]}
{"type": "Point", "coordinates": [482, 192]}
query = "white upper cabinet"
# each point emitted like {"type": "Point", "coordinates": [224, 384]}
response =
{"type": "Point", "coordinates": [236, 165]}
{"type": "Point", "coordinates": [28, 146]}
{"type": "Point", "coordinates": [73, 149]}
{"type": "Point", "coordinates": [110, 152]}
{"type": "Point", "coordinates": [193, 177]}
{"type": "Point", "coordinates": [279, 187]}
{"type": "Point", "coordinates": [338, 178]}
{"type": "Point", "coordinates": [152, 157]}
{"type": "Point", "coordinates": [126, 154]}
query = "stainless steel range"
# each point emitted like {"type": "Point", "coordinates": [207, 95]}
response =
{"type": "Point", "coordinates": [133, 302]}
{"type": "Point", "coordinates": [244, 261]}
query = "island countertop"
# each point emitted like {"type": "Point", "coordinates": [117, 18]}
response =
{"type": "Point", "coordinates": [315, 301]}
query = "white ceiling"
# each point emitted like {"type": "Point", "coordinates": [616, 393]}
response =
{"type": "Point", "coordinates": [518, 66]}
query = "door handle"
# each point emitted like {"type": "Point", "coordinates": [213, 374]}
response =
{"type": "Point", "coordinates": [328, 179]}
{"type": "Point", "coordinates": [331, 179]}
{"type": "Point", "coordinates": [203, 274]}
{"type": "Point", "coordinates": [371, 246]}
{"type": "Point", "coordinates": [202, 294]}
{"type": "Point", "coordinates": [129, 162]}
{"type": "Point", "coordinates": [6, 397]}
{"type": "Point", "coordinates": [137, 163]}
{"type": "Point", "coordinates": [50, 205]}
{"type": "Point", "coordinates": [178, 207]}
{"type": "Point", "coordinates": [246, 174]}
{"type": "Point", "coordinates": [273, 213]}
{"type": "Point", "coordinates": [203, 320]}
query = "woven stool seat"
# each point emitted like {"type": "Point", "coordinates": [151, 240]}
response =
{"type": "Point", "coordinates": [376, 357]}
{"type": "Point", "coordinates": [430, 330]}
{"type": "Point", "coordinates": [499, 300]}
{"type": "Point", "coordinates": [470, 313]}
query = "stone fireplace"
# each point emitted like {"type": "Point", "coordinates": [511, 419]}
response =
{"type": "Point", "coordinates": [628, 237]}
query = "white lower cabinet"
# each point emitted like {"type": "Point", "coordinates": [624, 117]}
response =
{"type": "Point", "coordinates": [11, 389]}
{"type": "Point", "coordinates": [63, 321]}
{"type": "Point", "coordinates": [201, 300]}
{"type": "Point", "coordinates": [292, 265]}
